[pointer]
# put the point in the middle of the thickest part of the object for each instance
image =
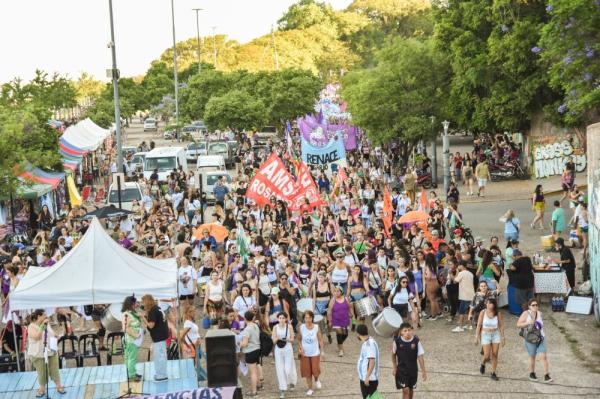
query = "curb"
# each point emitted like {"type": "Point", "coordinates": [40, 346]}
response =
{"type": "Point", "coordinates": [547, 193]}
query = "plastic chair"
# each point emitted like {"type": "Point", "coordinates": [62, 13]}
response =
{"type": "Point", "coordinates": [100, 195]}
{"type": "Point", "coordinates": [114, 343]}
{"type": "Point", "coordinates": [64, 354]}
{"type": "Point", "coordinates": [88, 348]}
{"type": "Point", "coordinates": [85, 193]}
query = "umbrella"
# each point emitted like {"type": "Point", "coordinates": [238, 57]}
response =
{"type": "Point", "coordinates": [110, 211]}
{"type": "Point", "coordinates": [215, 230]}
{"type": "Point", "coordinates": [414, 216]}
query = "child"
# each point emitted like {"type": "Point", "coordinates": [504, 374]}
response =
{"type": "Point", "coordinates": [406, 351]}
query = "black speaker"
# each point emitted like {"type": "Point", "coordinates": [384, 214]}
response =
{"type": "Point", "coordinates": [221, 360]}
{"type": "Point", "coordinates": [8, 364]}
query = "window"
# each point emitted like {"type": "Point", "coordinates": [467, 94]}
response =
{"type": "Point", "coordinates": [218, 148]}
{"type": "Point", "coordinates": [211, 180]}
{"type": "Point", "coordinates": [127, 195]}
{"type": "Point", "coordinates": [162, 164]}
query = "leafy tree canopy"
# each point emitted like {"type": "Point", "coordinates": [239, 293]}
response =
{"type": "Point", "coordinates": [236, 109]}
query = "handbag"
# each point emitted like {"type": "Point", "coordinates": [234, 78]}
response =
{"type": "Point", "coordinates": [532, 334]}
{"type": "Point", "coordinates": [281, 343]}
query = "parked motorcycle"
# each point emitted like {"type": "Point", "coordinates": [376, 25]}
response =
{"type": "Point", "coordinates": [507, 170]}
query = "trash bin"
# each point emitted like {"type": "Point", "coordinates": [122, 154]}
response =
{"type": "Point", "coordinates": [513, 306]}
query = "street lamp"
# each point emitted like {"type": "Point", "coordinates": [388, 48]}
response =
{"type": "Point", "coordinates": [114, 73]}
{"type": "Point", "coordinates": [175, 72]}
{"type": "Point", "coordinates": [214, 31]}
{"type": "Point", "coordinates": [446, 152]}
{"type": "Point", "coordinates": [198, 38]}
{"type": "Point", "coordinates": [433, 153]}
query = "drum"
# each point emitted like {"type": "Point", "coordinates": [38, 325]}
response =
{"type": "Point", "coordinates": [318, 319]}
{"type": "Point", "coordinates": [112, 317]}
{"type": "Point", "coordinates": [303, 305]}
{"type": "Point", "coordinates": [387, 323]}
{"type": "Point", "coordinates": [366, 306]}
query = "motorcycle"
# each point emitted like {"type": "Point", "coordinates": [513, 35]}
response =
{"type": "Point", "coordinates": [424, 178]}
{"type": "Point", "coordinates": [507, 170]}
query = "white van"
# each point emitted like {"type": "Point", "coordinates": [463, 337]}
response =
{"type": "Point", "coordinates": [210, 162]}
{"type": "Point", "coordinates": [129, 191]}
{"type": "Point", "coordinates": [164, 160]}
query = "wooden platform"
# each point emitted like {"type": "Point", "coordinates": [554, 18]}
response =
{"type": "Point", "coordinates": [103, 382]}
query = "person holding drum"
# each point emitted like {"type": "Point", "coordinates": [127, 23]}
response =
{"type": "Point", "coordinates": [321, 294]}
{"type": "Point", "coordinates": [358, 287]}
{"type": "Point", "coordinates": [338, 317]}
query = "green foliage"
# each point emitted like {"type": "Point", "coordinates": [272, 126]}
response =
{"type": "Point", "coordinates": [570, 49]}
{"type": "Point", "coordinates": [87, 87]}
{"type": "Point", "coordinates": [304, 14]}
{"type": "Point", "coordinates": [157, 83]}
{"type": "Point", "coordinates": [396, 98]}
{"type": "Point", "coordinates": [46, 93]}
{"type": "Point", "coordinates": [236, 109]}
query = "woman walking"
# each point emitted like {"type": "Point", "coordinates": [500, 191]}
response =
{"type": "Point", "coordinates": [283, 336]}
{"type": "Point", "coordinates": [214, 300]}
{"type": "Point", "coordinates": [338, 317]}
{"type": "Point", "coordinates": [310, 348]}
{"type": "Point", "coordinates": [134, 335]}
{"type": "Point", "coordinates": [432, 286]}
{"type": "Point", "coordinates": [250, 346]}
{"type": "Point", "coordinates": [322, 296]}
{"type": "Point", "coordinates": [39, 337]}
{"type": "Point", "coordinates": [538, 205]}
{"type": "Point", "coordinates": [531, 319]}
{"type": "Point", "coordinates": [511, 226]}
{"type": "Point", "coordinates": [490, 333]}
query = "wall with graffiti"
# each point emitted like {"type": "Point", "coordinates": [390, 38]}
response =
{"type": "Point", "coordinates": [593, 146]}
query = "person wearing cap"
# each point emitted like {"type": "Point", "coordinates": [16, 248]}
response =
{"type": "Point", "coordinates": [368, 362]}
{"type": "Point", "coordinates": [521, 278]}
{"type": "Point", "coordinates": [567, 260]}
{"type": "Point", "coordinates": [558, 220]}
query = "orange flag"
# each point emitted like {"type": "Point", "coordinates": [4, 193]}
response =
{"type": "Point", "coordinates": [423, 204]}
{"type": "Point", "coordinates": [388, 211]}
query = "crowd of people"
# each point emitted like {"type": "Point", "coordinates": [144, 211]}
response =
{"type": "Point", "coordinates": [335, 255]}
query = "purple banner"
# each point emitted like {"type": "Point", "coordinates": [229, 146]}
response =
{"type": "Point", "coordinates": [319, 134]}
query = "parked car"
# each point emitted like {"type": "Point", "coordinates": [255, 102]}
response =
{"type": "Point", "coordinates": [164, 159]}
{"type": "Point", "coordinates": [266, 133]}
{"type": "Point", "coordinates": [209, 180]}
{"type": "Point", "coordinates": [208, 163]}
{"type": "Point", "coordinates": [194, 150]}
{"type": "Point", "coordinates": [129, 191]}
{"type": "Point", "coordinates": [128, 150]}
{"type": "Point", "coordinates": [150, 125]}
{"type": "Point", "coordinates": [200, 125]}
{"type": "Point", "coordinates": [169, 134]}
{"type": "Point", "coordinates": [137, 161]}
{"type": "Point", "coordinates": [222, 148]}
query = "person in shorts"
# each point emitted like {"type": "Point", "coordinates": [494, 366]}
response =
{"type": "Point", "coordinates": [250, 347]}
{"type": "Point", "coordinates": [482, 173]}
{"type": "Point", "coordinates": [407, 357]}
{"type": "Point", "coordinates": [466, 292]}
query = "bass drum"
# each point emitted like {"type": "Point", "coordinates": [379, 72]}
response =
{"type": "Point", "coordinates": [303, 305]}
{"type": "Point", "coordinates": [366, 306]}
{"type": "Point", "coordinates": [112, 317]}
{"type": "Point", "coordinates": [387, 323]}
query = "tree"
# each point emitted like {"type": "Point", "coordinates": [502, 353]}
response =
{"type": "Point", "coordinates": [396, 99]}
{"type": "Point", "coordinates": [236, 109]}
{"type": "Point", "coordinates": [102, 112]}
{"type": "Point", "coordinates": [304, 14]}
{"type": "Point", "coordinates": [88, 88]}
{"type": "Point", "coordinates": [157, 83]}
{"type": "Point", "coordinates": [569, 47]}
{"type": "Point", "coordinates": [200, 89]}
{"type": "Point", "coordinates": [292, 94]}
{"type": "Point", "coordinates": [47, 93]}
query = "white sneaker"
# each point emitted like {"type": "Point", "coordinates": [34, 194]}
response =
{"type": "Point", "coordinates": [458, 329]}
{"type": "Point", "coordinates": [310, 392]}
{"type": "Point", "coordinates": [470, 327]}
{"type": "Point", "coordinates": [318, 384]}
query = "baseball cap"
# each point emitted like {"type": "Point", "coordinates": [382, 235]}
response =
{"type": "Point", "coordinates": [516, 252]}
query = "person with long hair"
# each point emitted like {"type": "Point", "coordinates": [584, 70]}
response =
{"type": "Point", "coordinates": [339, 317]}
{"type": "Point", "coordinates": [214, 298]}
{"type": "Point", "coordinates": [159, 332]}
{"type": "Point", "coordinates": [133, 327]}
{"type": "Point", "coordinates": [432, 286]}
{"type": "Point", "coordinates": [490, 333]}
{"type": "Point", "coordinates": [189, 336]}
{"type": "Point", "coordinates": [532, 319]}
{"type": "Point", "coordinates": [358, 287]}
{"type": "Point", "coordinates": [310, 348]}
{"type": "Point", "coordinates": [538, 205]}
{"type": "Point", "coordinates": [283, 336]}
{"type": "Point", "coordinates": [511, 225]}
{"type": "Point", "coordinates": [250, 346]}
{"type": "Point", "coordinates": [39, 336]}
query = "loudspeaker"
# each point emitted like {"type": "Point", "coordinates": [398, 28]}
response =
{"type": "Point", "coordinates": [221, 360]}
{"type": "Point", "coordinates": [8, 364]}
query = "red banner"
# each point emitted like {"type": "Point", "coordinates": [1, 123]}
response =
{"type": "Point", "coordinates": [388, 212]}
{"type": "Point", "coordinates": [306, 189]}
{"type": "Point", "coordinates": [271, 180]}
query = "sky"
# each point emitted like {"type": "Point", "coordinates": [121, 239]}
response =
{"type": "Point", "coordinates": [71, 36]}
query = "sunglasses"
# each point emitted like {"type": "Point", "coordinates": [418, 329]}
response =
{"type": "Point", "coordinates": [534, 304]}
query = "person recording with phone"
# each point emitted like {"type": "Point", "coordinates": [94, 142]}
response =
{"type": "Point", "coordinates": [133, 326]}
{"type": "Point", "coordinates": [41, 337]}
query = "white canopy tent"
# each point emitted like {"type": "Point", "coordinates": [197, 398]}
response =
{"type": "Point", "coordinates": [96, 271]}
{"type": "Point", "coordinates": [86, 135]}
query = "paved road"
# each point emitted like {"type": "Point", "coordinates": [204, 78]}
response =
{"type": "Point", "coordinates": [452, 359]}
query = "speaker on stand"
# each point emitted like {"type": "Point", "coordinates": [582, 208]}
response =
{"type": "Point", "coordinates": [221, 360]}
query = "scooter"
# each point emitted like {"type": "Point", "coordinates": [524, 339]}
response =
{"type": "Point", "coordinates": [507, 170]}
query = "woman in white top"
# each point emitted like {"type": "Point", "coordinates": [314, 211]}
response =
{"type": "Point", "coordinates": [283, 336]}
{"type": "Point", "coordinates": [214, 300]}
{"type": "Point", "coordinates": [403, 301]}
{"type": "Point", "coordinates": [490, 332]}
{"type": "Point", "coordinates": [244, 302]}
{"type": "Point", "coordinates": [310, 343]}
{"type": "Point", "coordinates": [187, 281]}
{"type": "Point", "coordinates": [532, 318]}
{"type": "Point", "coordinates": [189, 338]}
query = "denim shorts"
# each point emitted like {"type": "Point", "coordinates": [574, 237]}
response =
{"type": "Point", "coordinates": [463, 307]}
{"type": "Point", "coordinates": [490, 337]}
{"type": "Point", "coordinates": [533, 349]}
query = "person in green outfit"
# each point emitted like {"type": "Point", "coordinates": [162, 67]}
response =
{"type": "Point", "coordinates": [558, 220]}
{"type": "Point", "coordinates": [133, 326]}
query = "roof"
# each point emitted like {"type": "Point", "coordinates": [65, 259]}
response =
{"type": "Point", "coordinates": [164, 152]}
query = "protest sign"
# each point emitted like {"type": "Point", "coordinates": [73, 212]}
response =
{"type": "Point", "coordinates": [271, 180]}
{"type": "Point", "coordinates": [198, 393]}
{"type": "Point", "coordinates": [334, 151]}
{"type": "Point", "coordinates": [306, 189]}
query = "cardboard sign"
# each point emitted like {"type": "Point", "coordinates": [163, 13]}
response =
{"type": "Point", "coordinates": [271, 180]}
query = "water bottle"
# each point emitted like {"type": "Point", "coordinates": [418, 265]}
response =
{"type": "Point", "coordinates": [554, 304]}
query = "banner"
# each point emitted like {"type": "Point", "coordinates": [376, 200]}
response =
{"type": "Point", "coordinates": [198, 393]}
{"type": "Point", "coordinates": [306, 189]}
{"type": "Point", "coordinates": [271, 180]}
{"type": "Point", "coordinates": [334, 151]}
{"type": "Point", "coordinates": [388, 211]}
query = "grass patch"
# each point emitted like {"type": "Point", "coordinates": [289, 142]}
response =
{"type": "Point", "coordinates": [576, 349]}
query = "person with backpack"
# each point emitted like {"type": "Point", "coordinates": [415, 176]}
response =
{"type": "Point", "coordinates": [251, 348]}
{"type": "Point", "coordinates": [532, 330]}
{"type": "Point", "coordinates": [407, 351]}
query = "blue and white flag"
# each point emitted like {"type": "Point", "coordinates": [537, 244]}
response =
{"type": "Point", "coordinates": [334, 151]}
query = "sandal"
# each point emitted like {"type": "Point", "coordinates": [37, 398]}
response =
{"type": "Point", "coordinates": [61, 391]}
{"type": "Point", "coordinates": [40, 395]}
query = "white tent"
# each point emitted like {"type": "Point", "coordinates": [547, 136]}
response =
{"type": "Point", "coordinates": [97, 270]}
{"type": "Point", "coordinates": [86, 135]}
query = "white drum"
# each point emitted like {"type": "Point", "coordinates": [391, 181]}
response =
{"type": "Point", "coordinates": [303, 305]}
{"type": "Point", "coordinates": [366, 306]}
{"type": "Point", "coordinates": [387, 323]}
{"type": "Point", "coordinates": [112, 317]}
{"type": "Point", "coordinates": [318, 319]}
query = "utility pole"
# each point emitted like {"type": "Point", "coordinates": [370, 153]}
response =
{"type": "Point", "coordinates": [115, 81]}
{"type": "Point", "coordinates": [198, 38]}
{"type": "Point", "coordinates": [446, 153]}
{"type": "Point", "coordinates": [214, 30]}
{"type": "Point", "coordinates": [175, 72]}
{"type": "Point", "coordinates": [275, 49]}
{"type": "Point", "coordinates": [433, 153]}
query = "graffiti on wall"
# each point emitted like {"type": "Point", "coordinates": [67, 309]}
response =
{"type": "Point", "coordinates": [550, 159]}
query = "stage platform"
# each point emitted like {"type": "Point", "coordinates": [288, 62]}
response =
{"type": "Point", "coordinates": [101, 382]}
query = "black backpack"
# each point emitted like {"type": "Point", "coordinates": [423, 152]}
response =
{"type": "Point", "coordinates": [266, 344]}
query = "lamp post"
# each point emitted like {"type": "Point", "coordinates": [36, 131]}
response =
{"type": "Point", "coordinates": [114, 72]}
{"type": "Point", "coordinates": [446, 153]}
{"type": "Point", "coordinates": [198, 38]}
{"type": "Point", "coordinates": [175, 72]}
{"type": "Point", "coordinates": [433, 153]}
{"type": "Point", "coordinates": [214, 31]}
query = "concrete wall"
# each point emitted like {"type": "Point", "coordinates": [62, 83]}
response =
{"type": "Point", "coordinates": [593, 152]}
